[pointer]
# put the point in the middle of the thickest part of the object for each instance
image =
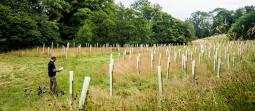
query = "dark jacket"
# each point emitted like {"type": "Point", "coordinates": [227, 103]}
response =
{"type": "Point", "coordinates": [51, 66]}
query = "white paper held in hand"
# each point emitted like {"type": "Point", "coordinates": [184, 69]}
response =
{"type": "Point", "coordinates": [61, 68]}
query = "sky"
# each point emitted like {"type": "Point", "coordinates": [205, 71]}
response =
{"type": "Point", "coordinates": [183, 8]}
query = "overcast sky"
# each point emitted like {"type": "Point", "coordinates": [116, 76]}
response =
{"type": "Point", "coordinates": [183, 8]}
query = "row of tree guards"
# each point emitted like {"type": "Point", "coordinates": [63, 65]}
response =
{"type": "Point", "coordinates": [187, 55]}
{"type": "Point", "coordinates": [65, 49]}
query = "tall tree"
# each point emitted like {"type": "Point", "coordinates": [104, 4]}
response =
{"type": "Point", "coordinates": [222, 20]}
{"type": "Point", "coordinates": [244, 28]}
{"type": "Point", "coordinates": [23, 25]}
{"type": "Point", "coordinates": [202, 22]}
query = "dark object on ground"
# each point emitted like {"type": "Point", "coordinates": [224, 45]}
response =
{"type": "Point", "coordinates": [27, 91]}
{"type": "Point", "coordinates": [39, 91]}
{"type": "Point", "coordinates": [44, 89]}
{"type": "Point", "coordinates": [62, 92]}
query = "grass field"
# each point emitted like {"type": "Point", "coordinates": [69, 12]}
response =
{"type": "Point", "coordinates": [234, 90]}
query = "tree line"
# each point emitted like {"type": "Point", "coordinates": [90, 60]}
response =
{"type": "Point", "coordinates": [29, 23]}
{"type": "Point", "coordinates": [238, 24]}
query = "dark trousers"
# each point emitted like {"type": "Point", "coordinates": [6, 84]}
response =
{"type": "Point", "coordinates": [53, 84]}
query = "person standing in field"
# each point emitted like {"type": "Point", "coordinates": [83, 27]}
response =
{"type": "Point", "coordinates": [52, 74]}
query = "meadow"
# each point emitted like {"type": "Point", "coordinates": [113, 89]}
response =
{"type": "Point", "coordinates": [223, 77]}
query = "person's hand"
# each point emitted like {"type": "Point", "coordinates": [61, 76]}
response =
{"type": "Point", "coordinates": [60, 69]}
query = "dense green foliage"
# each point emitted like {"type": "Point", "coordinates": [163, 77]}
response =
{"type": "Point", "coordinates": [244, 28]}
{"type": "Point", "coordinates": [201, 23]}
{"type": "Point", "coordinates": [218, 21]}
{"type": "Point", "coordinates": [22, 25]}
{"type": "Point", "coordinates": [27, 23]}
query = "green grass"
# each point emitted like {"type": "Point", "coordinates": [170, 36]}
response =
{"type": "Point", "coordinates": [31, 72]}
